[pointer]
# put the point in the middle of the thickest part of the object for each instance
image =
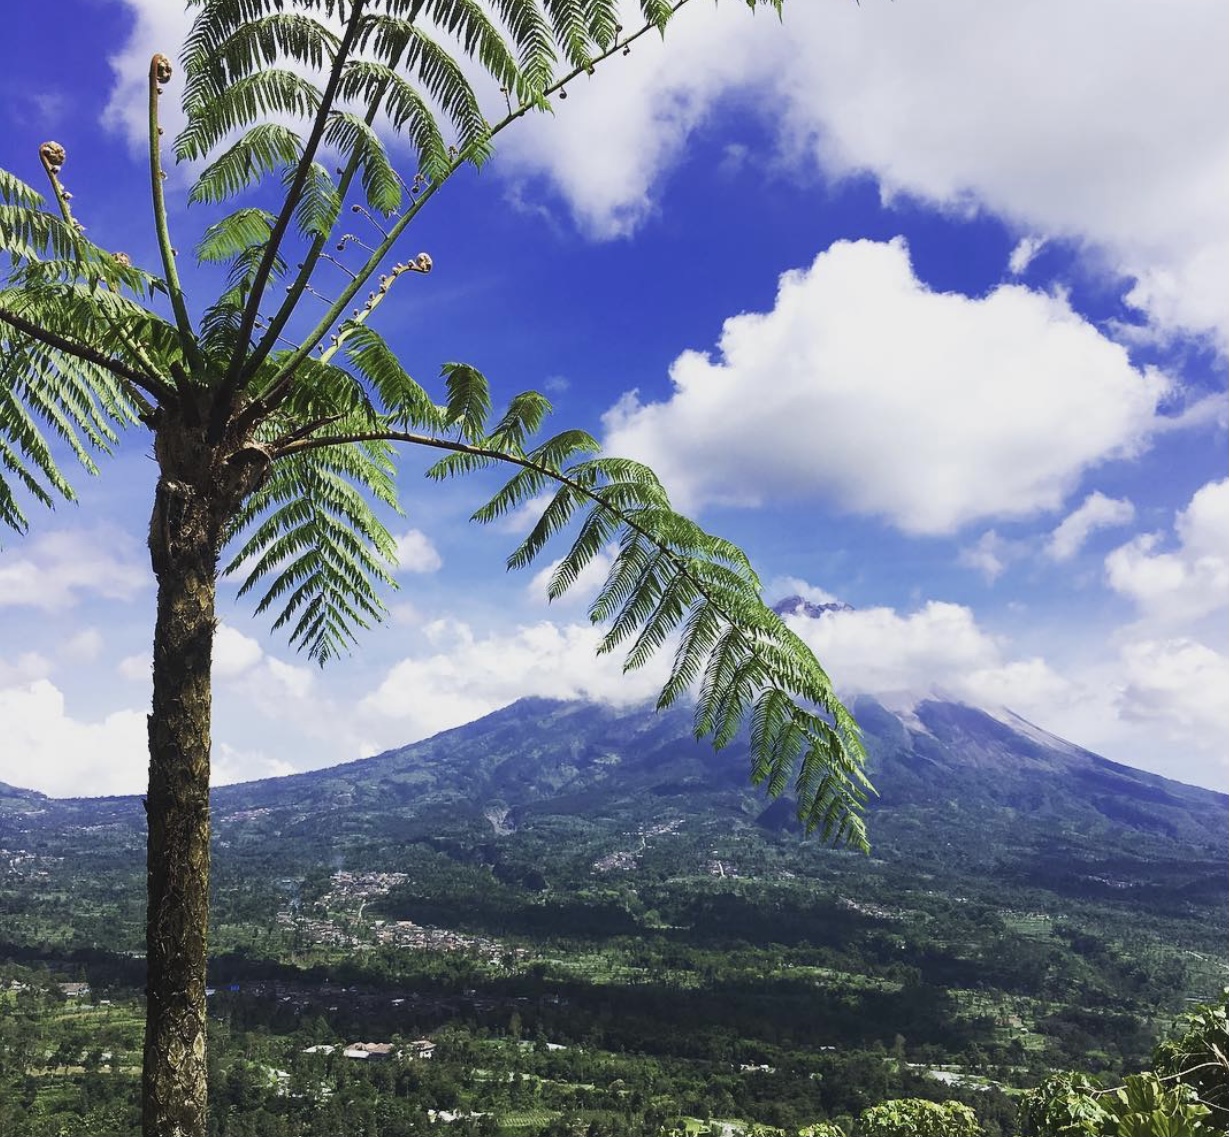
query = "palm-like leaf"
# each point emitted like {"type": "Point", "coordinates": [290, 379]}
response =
{"type": "Point", "coordinates": [669, 578]}
{"type": "Point", "coordinates": [314, 548]}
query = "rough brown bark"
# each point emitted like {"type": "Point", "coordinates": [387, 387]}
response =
{"type": "Point", "coordinates": [200, 487]}
{"type": "Point", "coordinates": [183, 548]}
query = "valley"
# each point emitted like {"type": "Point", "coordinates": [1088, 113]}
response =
{"type": "Point", "coordinates": [568, 919]}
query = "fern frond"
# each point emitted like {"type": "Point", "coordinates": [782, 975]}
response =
{"type": "Point", "coordinates": [469, 400]}
{"type": "Point", "coordinates": [314, 548]}
{"type": "Point", "coordinates": [236, 232]}
{"type": "Point", "coordinates": [469, 23]}
{"type": "Point", "coordinates": [260, 151]}
{"type": "Point", "coordinates": [402, 400]}
{"type": "Point", "coordinates": [269, 92]}
{"type": "Point", "coordinates": [534, 40]}
{"type": "Point", "coordinates": [319, 202]}
{"type": "Point", "coordinates": [217, 53]}
{"type": "Point", "coordinates": [378, 85]}
{"type": "Point", "coordinates": [571, 29]}
{"type": "Point", "coordinates": [354, 137]}
{"type": "Point", "coordinates": [602, 17]}
{"type": "Point", "coordinates": [670, 578]}
{"type": "Point", "coordinates": [47, 395]}
{"type": "Point", "coordinates": [403, 47]}
{"type": "Point", "coordinates": [522, 418]}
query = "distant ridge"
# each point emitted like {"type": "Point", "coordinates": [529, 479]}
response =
{"type": "Point", "coordinates": [800, 606]}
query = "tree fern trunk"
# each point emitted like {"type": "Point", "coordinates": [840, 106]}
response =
{"type": "Point", "coordinates": [183, 548]}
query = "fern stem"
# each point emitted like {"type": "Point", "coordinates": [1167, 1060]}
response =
{"type": "Point", "coordinates": [280, 383]}
{"type": "Point", "coordinates": [61, 196]}
{"type": "Point", "coordinates": [88, 354]}
{"type": "Point", "coordinates": [299, 285]}
{"type": "Point", "coordinates": [239, 364]}
{"type": "Point", "coordinates": [159, 72]}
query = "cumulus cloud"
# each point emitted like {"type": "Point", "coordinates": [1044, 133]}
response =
{"type": "Point", "coordinates": [46, 748]}
{"type": "Point", "coordinates": [84, 647]}
{"type": "Point", "coordinates": [27, 666]}
{"type": "Point", "coordinates": [1158, 703]}
{"type": "Point", "coordinates": [1178, 681]}
{"type": "Point", "coordinates": [230, 765]}
{"type": "Point", "coordinates": [415, 553]}
{"type": "Point", "coordinates": [937, 651]}
{"type": "Point", "coordinates": [971, 409]}
{"type": "Point", "coordinates": [990, 555]}
{"type": "Point", "coordinates": [157, 27]}
{"type": "Point", "coordinates": [234, 653]}
{"type": "Point", "coordinates": [467, 676]}
{"type": "Point", "coordinates": [54, 571]}
{"type": "Point", "coordinates": [1022, 255]}
{"type": "Point", "coordinates": [1096, 512]}
{"type": "Point", "coordinates": [1188, 581]}
{"type": "Point", "coordinates": [1087, 136]}
{"type": "Point", "coordinates": [784, 586]}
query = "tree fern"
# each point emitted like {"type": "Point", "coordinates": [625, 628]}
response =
{"type": "Point", "coordinates": [274, 431]}
{"type": "Point", "coordinates": [670, 578]}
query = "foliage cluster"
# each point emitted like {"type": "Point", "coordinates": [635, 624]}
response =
{"type": "Point", "coordinates": [1186, 1092]}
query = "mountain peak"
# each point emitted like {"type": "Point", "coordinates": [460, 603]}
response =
{"type": "Point", "coordinates": [800, 606]}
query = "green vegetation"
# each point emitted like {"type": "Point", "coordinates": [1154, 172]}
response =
{"type": "Point", "coordinates": [612, 957]}
{"type": "Point", "coordinates": [1186, 1092]}
{"type": "Point", "coordinates": [278, 463]}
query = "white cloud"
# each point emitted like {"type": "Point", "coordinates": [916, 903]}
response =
{"type": "Point", "coordinates": [1022, 255]}
{"type": "Point", "coordinates": [1087, 135]}
{"type": "Point", "coordinates": [937, 651]}
{"type": "Point", "coordinates": [233, 653]}
{"type": "Point", "coordinates": [158, 28]}
{"type": "Point", "coordinates": [135, 667]}
{"type": "Point", "coordinates": [1191, 581]}
{"type": "Point", "coordinates": [27, 666]}
{"type": "Point", "coordinates": [786, 586]}
{"type": "Point", "coordinates": [1157, 703]}
{"type": "Point", "coordinates": [54, 571]}
{"type": "Point", "coordinates": [1096, 512]}
{"type": "Point", "coordinates": [47, 749]}
{"type": "Point", "coordinates": [84, 647]}
{"type": "Point", "coordinates": [971, 409]}
{"type": "Point", "coordinates": [296, 682]}
{"type": "Point", "coordinates": [1180, 682]}
{"type": "Point", "coordinates": [230, 765]}
{"type": "Point", "coordinates": [469, 676]}
{"type": "Point", "coordinates": [415, 553]}
{"type": "Point", "coordinates": [989, 556]}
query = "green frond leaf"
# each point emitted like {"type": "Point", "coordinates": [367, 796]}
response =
{"type": "Point", "coordinates": [272, 91]}
{"type": "Point", "coordinates": [469, 400]}
{"type": "Point", "coordinates": [315, 549]}
{"type": "Point", "coordinates": [534, 41]}
{"type": "Point", "coordinates": [407, 110]}
{"type": "Point", "coordinates": [403, 401]}
{"type": "Point", "coordinates": [319, 203]}
{"type": "Point", "coordinates": [523, 417]}
{"type": "Point", "coordinates": [222, 51]}
{"type": "Point", "coordinates": [469, 23]}
{"type": "Point", "coordinates": [236, 232]}
{"type": "Point", "coordinates": [603, 21]}
{"type": "Point", "coordinates": [46, 395]}
{"type": "Point", "coordinates": [352, 136]}
{"type": "Point", "coordinates": [571, 29]}
{"type": "Point", "coordinates": [402, 47]}
{"type": "Point", "coordinates": [261, 150]}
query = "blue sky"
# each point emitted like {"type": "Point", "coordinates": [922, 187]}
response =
{"type": "Point", "coordinates": [925, 305]}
